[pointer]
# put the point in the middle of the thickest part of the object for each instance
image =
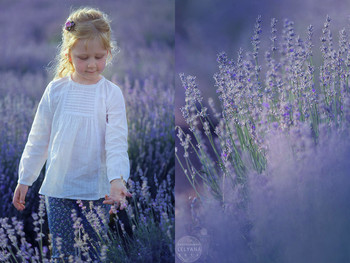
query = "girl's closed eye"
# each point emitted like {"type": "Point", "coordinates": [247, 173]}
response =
{"type": "Point", "coordinates": [83, 58]}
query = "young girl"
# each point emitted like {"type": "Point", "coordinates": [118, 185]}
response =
{"type": "Point", "coordinates": [80, 130]}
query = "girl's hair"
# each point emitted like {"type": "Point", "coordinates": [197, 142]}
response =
{"type": "Point", "coordinates": [89, 23]}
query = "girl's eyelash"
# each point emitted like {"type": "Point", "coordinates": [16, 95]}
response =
{"type": "Point", "coordinates": [84, 58]}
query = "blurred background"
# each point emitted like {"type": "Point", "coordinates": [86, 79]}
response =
{"type": "Point", "coordinates": [31, 32]}
{"type": "Point", "coordinates": [203, 28]}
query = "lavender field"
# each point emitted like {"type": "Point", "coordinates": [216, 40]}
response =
{"type": "Point", "coordinates": [267, 157]}
{"type": "Point", "coordinates": [144, 69]}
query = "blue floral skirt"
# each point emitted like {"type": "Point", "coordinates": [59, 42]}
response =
{"type": "Point", "coordinates": [76, 227]}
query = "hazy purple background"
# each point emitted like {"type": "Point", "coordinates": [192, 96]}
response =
{"type": "Point", "coordinates": [31, 31]}
{"type": "Point", "coordinates": [298, 209]}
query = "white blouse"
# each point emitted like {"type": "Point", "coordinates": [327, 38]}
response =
{"type": "Point", "coordinates": [81, 130]}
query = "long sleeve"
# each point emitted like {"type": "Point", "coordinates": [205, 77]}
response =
{"type": "Point", "coordinates": [36, 149]}
{"type": "Point", "coordinates": [117, 159]}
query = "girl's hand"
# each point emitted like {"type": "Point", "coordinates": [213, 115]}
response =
{"type": "Point", "coordinates": [19, 196]}
{"type": "Point", "coordinates": [118, 195]}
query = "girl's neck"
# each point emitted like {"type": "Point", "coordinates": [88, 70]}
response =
{"type": "Point", "coordinates": [81, 81]}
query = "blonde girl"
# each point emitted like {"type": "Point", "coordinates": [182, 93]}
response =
{"type": "Point", "coordinates": [80, 130]}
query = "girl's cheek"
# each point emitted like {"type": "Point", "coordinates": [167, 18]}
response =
{"type": "Point", "coordinates": [102, 65]}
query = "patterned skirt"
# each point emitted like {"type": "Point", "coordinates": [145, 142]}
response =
{"type": "Point", "coordinates": [76, 228]}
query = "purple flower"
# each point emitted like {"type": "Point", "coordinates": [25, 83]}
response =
{"type": "Point", "coordinates": [266, 105]}
{"type": "Point", "coordinates": [69, 25]}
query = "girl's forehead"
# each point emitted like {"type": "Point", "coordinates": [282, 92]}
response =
{"type": "Point", "coordinates": [90, 44]}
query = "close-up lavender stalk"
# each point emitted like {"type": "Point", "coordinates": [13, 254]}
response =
{"type": "Point", "coordinates": [268, 165]}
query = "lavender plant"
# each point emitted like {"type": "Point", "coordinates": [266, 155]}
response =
{"type": "Point", "coordinates": [274, 121]}
{"type": "Point", "coordinates": [151, 137]}
{"type": "Point", "coordinates": [149, 241]}
{"type": "Point", "coordinates": [288, 96]}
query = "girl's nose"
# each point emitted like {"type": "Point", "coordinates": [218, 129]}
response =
{"type": "Point", "coordinates": [91, 64]}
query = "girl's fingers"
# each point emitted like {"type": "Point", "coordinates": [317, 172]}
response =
{"type": "Point", "coordinates": [108, 202]}
{"type": "Point", "coordinates": [18, 200]}
{"type": "Point", "coordinates": [14, 199]}
{"type": "Point", "coordinates": [111, 201]}
{"type": "Point", "coordinates": [128, 194]}
{"type": "Point", "coordinates": [118, 201]}
{"type": "Point", "coordinates": [21, 198]}
{"type": "Point", "coordinates": [18, 205]}
{"type": "Point", "coordinates": [123, 205]}
{"type": "Point", "coordinates": [125, 192]}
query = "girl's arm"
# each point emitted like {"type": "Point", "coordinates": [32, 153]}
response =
{"type": "Point", "coordinates": [118, 167]}
{"type": "Point", "coordinates": [116, 139]}
{"type": "Point", "coordinates": [36, 149]}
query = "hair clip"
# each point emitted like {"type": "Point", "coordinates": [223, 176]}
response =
{"type": "Point", "coordinates": [69, 25]}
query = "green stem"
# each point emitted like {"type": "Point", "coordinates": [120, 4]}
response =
{"type": "Point", "coordinates": [194, 187]}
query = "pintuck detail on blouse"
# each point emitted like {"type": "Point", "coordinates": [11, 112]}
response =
{"type": "Point", "coordinates": [80, 102]}
{"type": "Point", "coordinates": [83, 151]}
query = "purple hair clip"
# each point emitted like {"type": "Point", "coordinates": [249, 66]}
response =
{"type": "Point", "coordinates": [69, 25]}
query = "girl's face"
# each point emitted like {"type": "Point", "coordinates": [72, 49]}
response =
{"type": "Point", "coordinates": [89, 60]}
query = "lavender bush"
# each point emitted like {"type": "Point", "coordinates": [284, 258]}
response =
{"type": "Point", "coordinates": [151, 238]}
{"type": "Point", "coordinates": [151, 136]}
{"type": "Point", "coordinates": [273, 159]}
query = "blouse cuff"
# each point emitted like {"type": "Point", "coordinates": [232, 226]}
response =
{"type": "Point", "coordinates": [117, 175]}
{"type": "Point", "coordinates": [25, 182]}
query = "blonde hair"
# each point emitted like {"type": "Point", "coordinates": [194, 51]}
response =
{"type": "Point", "coordinates": [89, 23]}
